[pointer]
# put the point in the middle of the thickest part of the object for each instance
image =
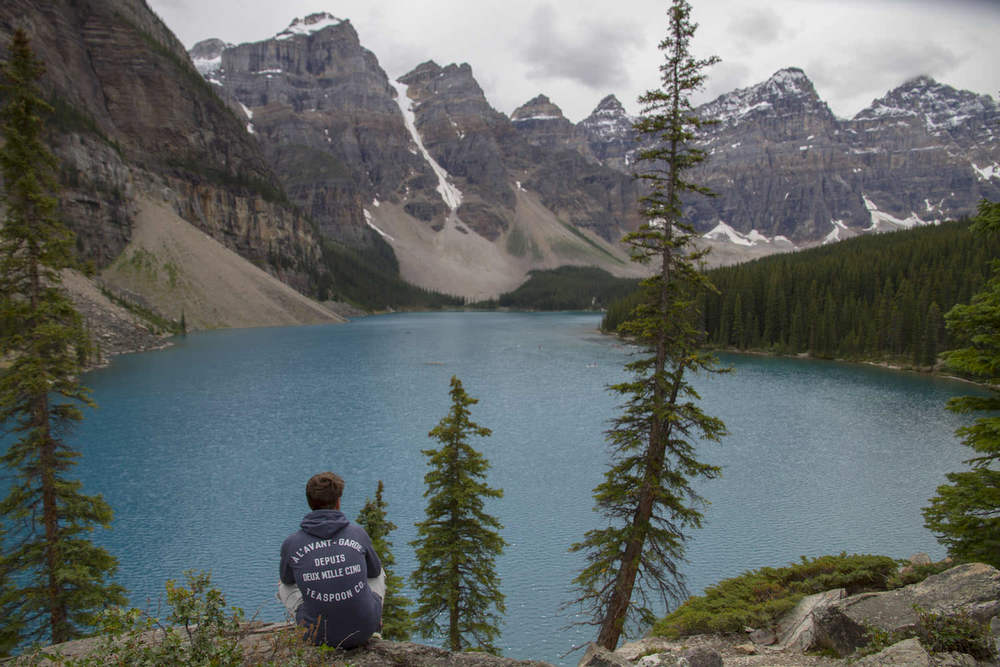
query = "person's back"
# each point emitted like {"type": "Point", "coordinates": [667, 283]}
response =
{"type": "Point", "coordinates": [330, 561]}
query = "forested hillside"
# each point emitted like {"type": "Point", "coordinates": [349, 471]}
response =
{"type": "Point", "coordinates": [880, 296]}
{"type": "Point", "coordinates": [565, 288]}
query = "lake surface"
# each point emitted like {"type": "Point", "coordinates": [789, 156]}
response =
{"type": "Point", "coordinates": [203, 451]}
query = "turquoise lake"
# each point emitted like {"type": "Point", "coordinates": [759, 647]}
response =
{"type": "Point", "coordinates": [203, 451]}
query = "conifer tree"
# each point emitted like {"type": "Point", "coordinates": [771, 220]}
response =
{"type": "Point", "coordinates": [647, 495]}
{"type": "Point", "coordinates": [60, 577]}
{"type": "Point", "coordinates": [965, 515]}
{"type": "Point", "coordinates": [458, 542]}
{"type": "Point", "coordinates": [397, 624]}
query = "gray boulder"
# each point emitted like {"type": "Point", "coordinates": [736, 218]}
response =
{"type": "Point", "coordinates": [972, 589]}
{"type": "Point", "coordinates": [908, 652]}
{"type": "Point", "coordinates": [796, 630]}
{"type": "Point", "coordinates": [598, 656]}
{"type": "Point", "coordinates": [700, 657]}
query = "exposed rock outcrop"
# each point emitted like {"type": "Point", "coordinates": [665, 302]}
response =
{"type": "Point", "coordinates": [972, 590]}
{"type": "Point", "coordinates": [133, 115]}
{"type": "Point", "coordinates": [279, 643]}
{"type": "Point", "coordinates": [610, 133]}
{"type": "Point", "coordinates": [326, 116]}
{"type": "Point", "coordinates": [783, 165]}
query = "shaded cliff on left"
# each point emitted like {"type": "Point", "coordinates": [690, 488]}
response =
{"type": "Point", "coordinates": [174, 206]}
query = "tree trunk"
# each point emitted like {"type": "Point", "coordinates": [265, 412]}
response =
{"type": "Point", "coordinates": [50, 521]}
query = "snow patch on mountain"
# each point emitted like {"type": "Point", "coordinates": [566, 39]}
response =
{"type": "Point", "coordinates": [882, 221]}
{"type": "Point", "coordinates": [723, 232]}
{"type": "Point", "coordinates": [538, 117]}
{"type": "Point", "coordinates": [987, 172]}
{"type": "Point", "coordinates": [371, 223]}
{"type": "Point", "coordinates": [754, 100]}
{"type": "Point", "coordinates": [835, 233]}
{"type": "Point", "coordinates": [451, 195]}
{"type": "Point", "coordinates": [940, 107]}
{"type": "Point", "coordinates": [208, 66]}
{"type": "Point", "coordinates": [309, 25]}
{"type": "Point", "coordinates": [249, 115]}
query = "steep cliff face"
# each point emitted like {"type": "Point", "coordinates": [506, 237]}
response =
{"type": "Point", "coordinates": [326, 116]}
{"type": "Point", "coordinates": [610, 134]}
{"type": "Point", "coordinates": [423, 163]}
{"type": "Point", "coordinates": [460, 130]}
{"type": "Point", "coordinates": [786, 170]}
{"type": "Point", "coordinates": [926, 151]}
{"type": "Point", "coordinates": [134, 118]}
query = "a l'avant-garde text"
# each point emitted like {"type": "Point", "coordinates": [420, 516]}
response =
{"type": "Point", "coordinates": [325, 560]}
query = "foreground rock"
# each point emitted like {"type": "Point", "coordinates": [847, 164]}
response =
{"type": "Point", "coordinates": [711, 650]}
{"type": "Point", "coordinates": [972, 589]}
{"type": "Point", "coordinates": [279, 643]}
{"type": "Point", "coordinates": [379, 653]}
{"type": "Point", "coordinates": [830, 622]}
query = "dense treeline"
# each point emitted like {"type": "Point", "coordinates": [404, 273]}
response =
{"type": "Point", "coordinates": [565, 288]}
{"type": "Point", "coordinates": [879, 296]}
{"type": "Point", "coordinates": [369, 278]}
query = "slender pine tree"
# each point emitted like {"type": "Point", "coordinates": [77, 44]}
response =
{"type": "Point", "coordinates": [647, 495]}
{"type": "Point", "coordinates": [61, 579]}
{"type": "Point", "coordinates": [397, 623]}
{"type": "Point", "coordinates": [965, 515]}
{"type": "Point", "coordinates": [458, 542]}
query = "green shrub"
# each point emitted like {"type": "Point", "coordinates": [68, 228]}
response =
{"type": "Point", "coordinates": [959, 633]}
{"type": "Point", "coordinates": [916, 573]}
{"type": "Point", "coordinates": [760, 597]}
{"type": "Point", "coordinates": [202, 631]}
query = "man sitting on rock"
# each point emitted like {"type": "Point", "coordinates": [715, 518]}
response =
{"type": "Point", "coordinates": [331, 578]}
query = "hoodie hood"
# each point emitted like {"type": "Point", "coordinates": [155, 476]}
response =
{"type": "Point", "coordinates": [324, 523]}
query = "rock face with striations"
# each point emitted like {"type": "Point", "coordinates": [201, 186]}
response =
{"type": "Point", "coordinates": [133, 117]}
{"type": "Point", "coordinates": [783, 166]}
{"type": "Point", "coordinates": [972, 590]}
{"type": "Point", "coordinates": [462, 132]}
{"type": "Point", "coordinates": [610, 135]}
{"type": "Point", "coordinates": [326, 116]}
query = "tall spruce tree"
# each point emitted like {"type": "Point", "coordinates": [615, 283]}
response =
{"type": "Point", "coordinates": [61, 579]}
{"type": "Point", "coordinates": [458, 542]}
{"type": "Point", "coordinates": [397, 623]}
{"type": "Point", "coordinates": [647, 495]}
{"type": "Point", "coordinates": [965, 515]}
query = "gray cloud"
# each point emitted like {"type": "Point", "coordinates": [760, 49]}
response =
{"type": "Point", "coordinates": [722, 78]}
{"type": "Point", "coordinates": [871, 70]}
{"type": "Point", "coordinates": [589, 52]}
{"type": "Point", "coordinates": [755, 27]}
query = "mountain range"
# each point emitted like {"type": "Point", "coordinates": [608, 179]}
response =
{"type": "Point", "coordinates": [296, 152]}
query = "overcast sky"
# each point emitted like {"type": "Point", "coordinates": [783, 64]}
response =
{"type": "Point", "coordinates": [577, 52]}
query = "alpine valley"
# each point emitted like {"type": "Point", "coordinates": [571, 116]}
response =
{"type": "Point", "coordinates": [270, 182]}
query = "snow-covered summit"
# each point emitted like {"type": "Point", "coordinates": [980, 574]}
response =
{"type": "Point", "coordinates": [608, 121]}
{"type": "Point", "coordinates": [786, 85]}
{"type": "Point", "coordinates": [938, 105]}
{"type": "Point", "coordinates": [207, 55]}
{"type": "Point", "coordinates": [312, 23]}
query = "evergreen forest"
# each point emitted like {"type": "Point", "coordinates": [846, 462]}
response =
{"type": "Point", "coordinates": [881, 296]}
{"type": "Point", "coordinates": [565, 288]}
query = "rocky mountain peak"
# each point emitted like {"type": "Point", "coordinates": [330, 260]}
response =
{"type": "Point", "coordinates": [608, 120]}
{"type": "Point", "coordinates": [537, 108]}
{"type": "Point", "coordinates": [207, 55]}
{"type": "Point", "coordinates": [309, 25]}
{"type": "Point", "coordinates": [429, 78]}
{"type": "Point", "coordinates": [609, 106]}
{"type": "Point", "coordinates": [788, 91]}
{"type": "Point", "coordinates": [938, 106]}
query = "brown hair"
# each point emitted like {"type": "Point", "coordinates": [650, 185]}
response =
{"type": "Point", "coordinates": [323, 491]}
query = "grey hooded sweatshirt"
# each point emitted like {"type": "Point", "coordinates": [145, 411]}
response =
{"type": "Point", "coordinates": [330, 560]}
